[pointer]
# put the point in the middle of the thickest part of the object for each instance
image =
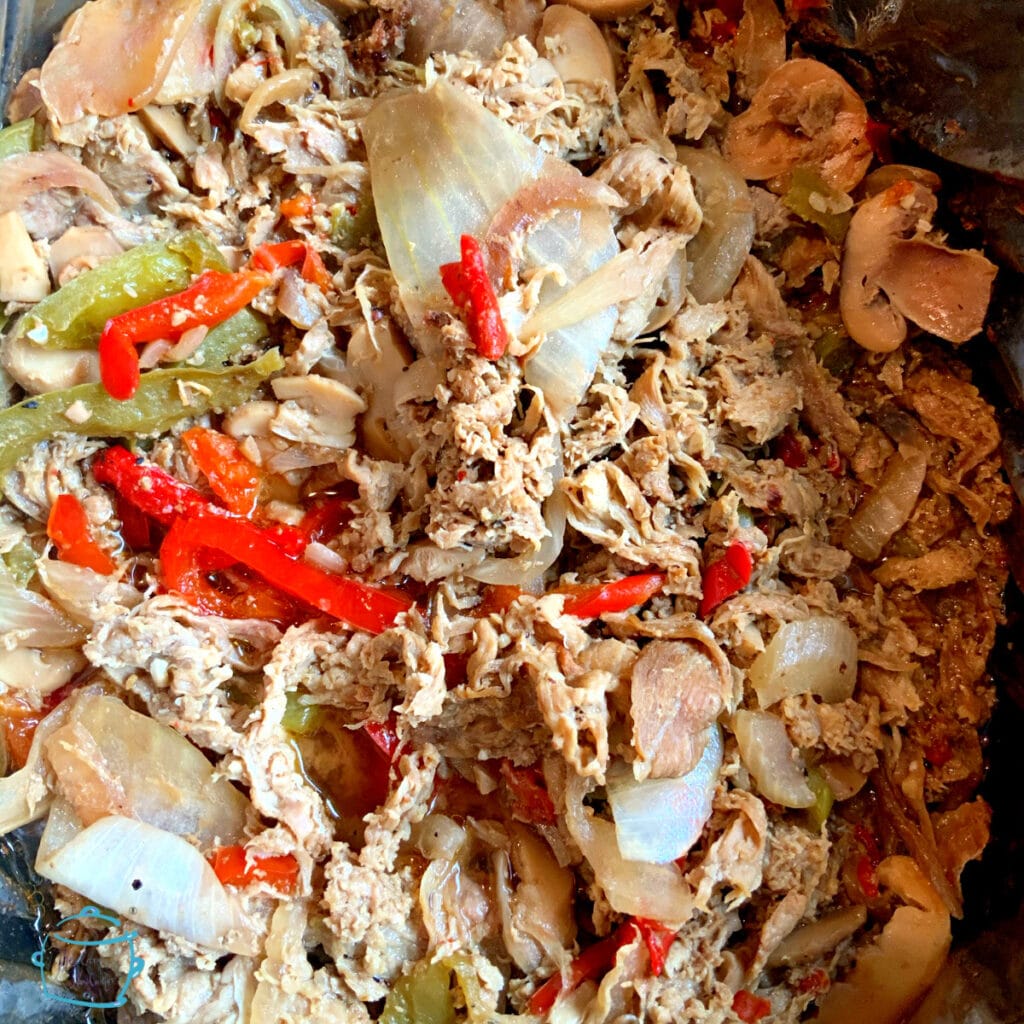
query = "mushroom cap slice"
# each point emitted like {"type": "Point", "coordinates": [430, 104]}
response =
{"type": "Point", "coordinates": [804, 115]}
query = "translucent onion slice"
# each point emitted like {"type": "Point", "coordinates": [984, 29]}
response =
{"type": "Point", "coordinates": [818, 655]}
{"type": "Point", "coordinates": [650, 890]}
{"type": "Point", "coordinates": [109, 757]}
{"type": "Point", "coordinates": [771, 758]}
{"type": "Point", "coordinates": [83, 592]}
{"type": "Point", "coordinates": [28, 174]}
{"type": "Point", "coordinates": [443, 166]}
{"type": "Point", "coordinates": [113, 56]}
{"type": "Point", "coordinates": [27, 619]}
{"type": "Point", "coordinates": [147, 875]}
{"type": "Point", "coordinates": [888, 506]}
{"type": "Point", "coordinates": [658, 820]}
{"type": "Point", "coordinates": [41, 672]}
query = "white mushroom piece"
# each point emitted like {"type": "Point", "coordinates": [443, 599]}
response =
{"type": "Point", "coordinates": [804, 115]}
{"type": "Point", "coordinates": [893, 973]}
{"type": "Point", "coordinates": [892, 273]}
{"type": "Point", "coordinates": [609, 10]}
{"type": "Point", "coordinates": [576, 48]}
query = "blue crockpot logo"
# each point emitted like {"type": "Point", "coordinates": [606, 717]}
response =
{"type": "Point", "coordinates": [53, 940]}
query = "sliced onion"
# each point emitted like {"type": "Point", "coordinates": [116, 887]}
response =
{"type": "Point", "coordinates": [83, 592]}
{"type": "Point", "coordinates": [771, 758]}
{"type": "Point", "coordinates": [467, 26]}
{"type": "Point", "coordinates": [657, 891]}
{"type": "Point", "coordinates": [28, 174]}
{"type": "Point", "coordinates": [113, 56]}
{"type": "Point", "coordinates": [716, 253]}
{"type": "Point", "coordinates": [817, 655]}
{"type": "Point", "coordinates": [110, 758]}
{"type": "Point", "coordinates": [40, 672]}
{"type": "Point", "coordinates": [147, 875]}
{"type": "Point", "coordinates": [443, 166]}
{"type": "Point", "coordinates": [285, 87]}
{"type": "Point", "coordinates": [28, 620]}
{"type": "Point", "coordinates": [658, 820]}
{"type": "Point", "coordinates": [888, 506]}
{"type": "Point", "coordinates": [523, 570]}
{"type": "Point", "coordinates": [191, 74]}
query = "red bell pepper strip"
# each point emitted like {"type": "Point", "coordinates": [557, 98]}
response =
{"type": "Point", "coordinates": [529, 798]}
{"type": "Point", "coordinates": [157, 494]}
{"type": "Point", "coordinates": [591, 963]}
{"type": "Point", "coordinates": [470, 288]}
{"type": "Point", "coordinates": [879, 138]}
{"type": "Point", "coordinates": [588, 601]}
{"type": "Point", "coordinates": [68, 528]}
{"type": "Point", "coordinates": [728, 576]}
{"type": "Point", "coordinates": [355, 603]}
{"type": "Point", "coordinates": [233, 866]}
{"type": "Point", "coordinates": [659, 938]}
{"type": "Point", "coordinates": [750, 1008]}
{"type": "Point", "coordinates": [231, 476]}
{"type": "Point", "coordinates": [136, 531]}
{"type": "Point", "coordinates": [214, 296]}
{"type": "Point", "coordinates": [273, 255]}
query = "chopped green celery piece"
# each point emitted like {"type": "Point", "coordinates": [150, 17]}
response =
{"type": "Point", "coordinates": [21, 562]}
{"type": "Point", "coordinates": [352, 230]}
{"type": "Point", "coordinates": [246, 329]}
{"type": "Point", "coordinates": [300, 718]}
{"type": "Point", "coordinates": [806, 184]}
{"type": "Point", "coordinates": [818, 812]}
{"type": "Point", "coordinates": [74, 315]}
{"type": "Point", "coordinates": [422, 997]}
{"type": "Point", "coordinates": [18, 138]}
{"type": "Point", "coordinates": [157, 405]}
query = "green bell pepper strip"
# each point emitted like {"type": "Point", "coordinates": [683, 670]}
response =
{"type": "Point", "coordinates": [75, 314]}
{"type": "Point", "coordinates": [818, 812]}
{"type": "Point", "coordinates": [20, 562]}
{"type": "Point", "coordinates": [300, 718]}
{"type": "Point", "coordinates": [18, 138]}
{"type": "Point", "coordinates": [157, 405]}
{"type": "Point", "coordinates": [242, 332]}
{"type": "Point", "coordinates": [805, 183]}
{"type": "Point", "coordinates": [422, 997]}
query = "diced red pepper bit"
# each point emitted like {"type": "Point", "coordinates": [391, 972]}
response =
{"type": "Point", "coordinates": [528, 797]}
{"type": "Point", "coordinates": [726, 577]}
{"type": "Point", "coordinates": [867, 877]}
{"type": "Point", "coordinates": [800, 6]}
{"type": "Point", "coordinates": [591, 963]}
{"type": "Point", "coordinates": [879, 138]}
{"type": "Point", "coordinates": [298, 205]}
{"type": "Point", "coordinates": [790, 449]}
{"type": "Point", "coordinates": [384, 736]}
{"type": "Point", "coordinates": [750, 1008]}
{"type": "Point", "coordinates": [68, 527]}
{"type": "Point", "coordinates": [234, 866]}
{"type": "Point", "coordinates": [19, 720]}
{"type": "Point", "coordinates": [939, 752]}
{"type": "Point", "coordinates": [211, 298]}
{"type": "Point", "coordinates": [469, 286]}
{"type": "Point", "coordinates": [659, 938]}
{"type": "Point", "coordinates": [867, 839]}
{"type": "Point", "coordinates": [497, 599]}
{"type": "Point", "coordinates": [817, 981]}
{"type": "Point", "coordinates": [589, 600]}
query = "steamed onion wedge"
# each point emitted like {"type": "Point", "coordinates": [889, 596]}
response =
{"type": "Point", "coordinates": [817, 655]}
{"type": "Point", "coordinates": [145, 874]}
{"type": "Point", "coordinates": [658, 820]}
{"type": "Point", "coordinates": [771, 758]}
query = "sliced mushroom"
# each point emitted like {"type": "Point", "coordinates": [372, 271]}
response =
{"type": "Point", "coordinates": [804, 115]}
{"type": "Point", "coordinates": [23, 273]}
{"type": "Point", "coordinates": [677, 691]}
{"type": "Point", "coordinates": [38, 369]}
{"type": "Point", "coordinates": [169, 126]}
{"type": "Point", "coordinates": [895, 971]}
{"type": "Point", "coordinates": [819, 937]}
{"type": "Point", "coordinates": [888, 278]}
{"type": "Point", "coordinates": [81, 248]}
{"type": "Point", "coordinates": [576, 48]}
